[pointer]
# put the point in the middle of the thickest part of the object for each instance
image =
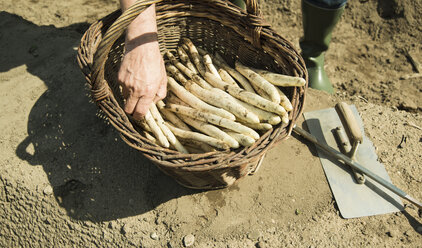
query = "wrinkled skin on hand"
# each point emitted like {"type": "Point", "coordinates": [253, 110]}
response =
{"type": "Point", "coordinates": [143, 78]}
{"type": "Point", "coordinates": [142, 73]}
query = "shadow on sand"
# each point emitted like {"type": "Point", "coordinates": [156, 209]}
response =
{"type": "Point", "coordinates": [94, 174]}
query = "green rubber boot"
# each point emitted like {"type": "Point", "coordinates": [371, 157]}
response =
{"type": "Point", "coordinates": [318, 23]}
{"type": "Point", "coordinates": [239, 3]}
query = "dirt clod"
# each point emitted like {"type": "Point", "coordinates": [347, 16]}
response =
{"type": "Point", "coordinates": [188, 240]}
{"type": "Point", "coordinates": [391, 234]}
{"type": "Point", "coordinates": [154, 236]}
{"type": "Point", "coordinates": [260, 244]}
{"type": "Point", "coordinates": [48, 190]}
{"type": "Point", "coordinates": [254, 235]}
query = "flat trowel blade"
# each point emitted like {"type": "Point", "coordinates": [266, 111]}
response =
{"type": "Point", "coordinates": [353, 199]}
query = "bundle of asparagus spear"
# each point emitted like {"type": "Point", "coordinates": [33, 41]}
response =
{"type": "Point", "coordinates": [211, 105]}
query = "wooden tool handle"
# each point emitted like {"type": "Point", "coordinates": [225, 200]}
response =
{"type": "Point", "coordinates": [349, 122]}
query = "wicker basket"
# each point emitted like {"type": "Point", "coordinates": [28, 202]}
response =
{"type": "Point", "coordinates": [215, 25]}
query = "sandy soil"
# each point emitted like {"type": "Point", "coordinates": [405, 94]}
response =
{"type": "Point", "coordinates": [67, 180]}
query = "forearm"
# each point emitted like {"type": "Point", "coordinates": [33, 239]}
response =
{"type": "Point", "coordinates": [142, 73]}
{"type": "Point", "coordinates": [142, 24]}
{"type": "Point", "coordinates": [125, 4]}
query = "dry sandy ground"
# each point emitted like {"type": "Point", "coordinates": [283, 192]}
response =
{"type": "Point", "coordinates": [67, 180]}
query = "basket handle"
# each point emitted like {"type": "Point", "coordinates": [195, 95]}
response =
{"type": "Point", "coordinates": [254, 14]}
{"type": "Point", "coordinates": [252, 7]}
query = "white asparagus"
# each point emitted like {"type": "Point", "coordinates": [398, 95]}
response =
{"type": "Point", "coordinates": [143, 124]}
{"type": "Point", "coordinates": [159, 120]}
{"type": "Point", "coordinates": [184, 57]}
{"type": "Point", "coordinates": [223, 100]}
{"type": "Point", "coordinates": [196, 59]}
{"type": "Point", "coordinates": [210, 66]}
{"type": "Point", "coordinates": [195, 146]}
{"type": "Point", "coordinates": [285, 119]}
{"type": "Point", "coordinates": [198, 137]}
{"type": "Point", "coordinates": [172, 98]}
{"type": "Point", "coordinates": [263, 115]}
{"type": "Point", "coordinates": [225, 76]}
{"type": "Point", "coordinates": [186, 48]}
{"type": "Point", "coordinates": [212, 131]}
{"type": "Point", "coordinates": [261, 92]}
{"type": "Point", "coordinates": [149, 136]}
{"type": "Point", "coordinates": [244, 140]}
{"type": "Point", "coordinates": [285, 102]}
{"type": "Point", "coordinates": [201, 82]}
{"type": "Point", "coordinates": [191, 148]}
{"type": "Point", "coordinates": [280, 79]}
{"type": "Point", "coordinates": [259, 126]}
{"type": "Point", "coordinates": [213, 119]}
{"type": "Point", "coordinates": [166, 131]}
{"type": "Point", "coordinates": [218, 60]}
{"type": "Point", "coordinates": [176, 73]}
{"type": "Point", "coordinates": [156, 130]}
{"type": "Point", "coordinates": [201, 51]}
{"type": "Point", "coordinates": [174, 119]}
{"type": "Point", "coordinates": [240, 111]}
{"type": "Point", "coordinates": [195, 102]}
{"type": "Point", "coordinates": [246, 96]}
{"type": "Point", "coordinates": [189, 73]}
{"type": "Point", "coordinates": [179, 77]}
{"type": "Point", "coordinates": [260, 82]}
{"type": "Point", "coordinates": [160, 104]}
{"type": "Point", "coordinates": [170, 116]}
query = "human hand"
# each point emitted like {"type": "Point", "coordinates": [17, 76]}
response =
{"type": "Point", "coordinates": [143, 78]}
{"type": "Point", "coordinates": [142, 73]}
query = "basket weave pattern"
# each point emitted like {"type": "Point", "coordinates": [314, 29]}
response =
{"type": "Point", "coordinates": [214, 25]}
